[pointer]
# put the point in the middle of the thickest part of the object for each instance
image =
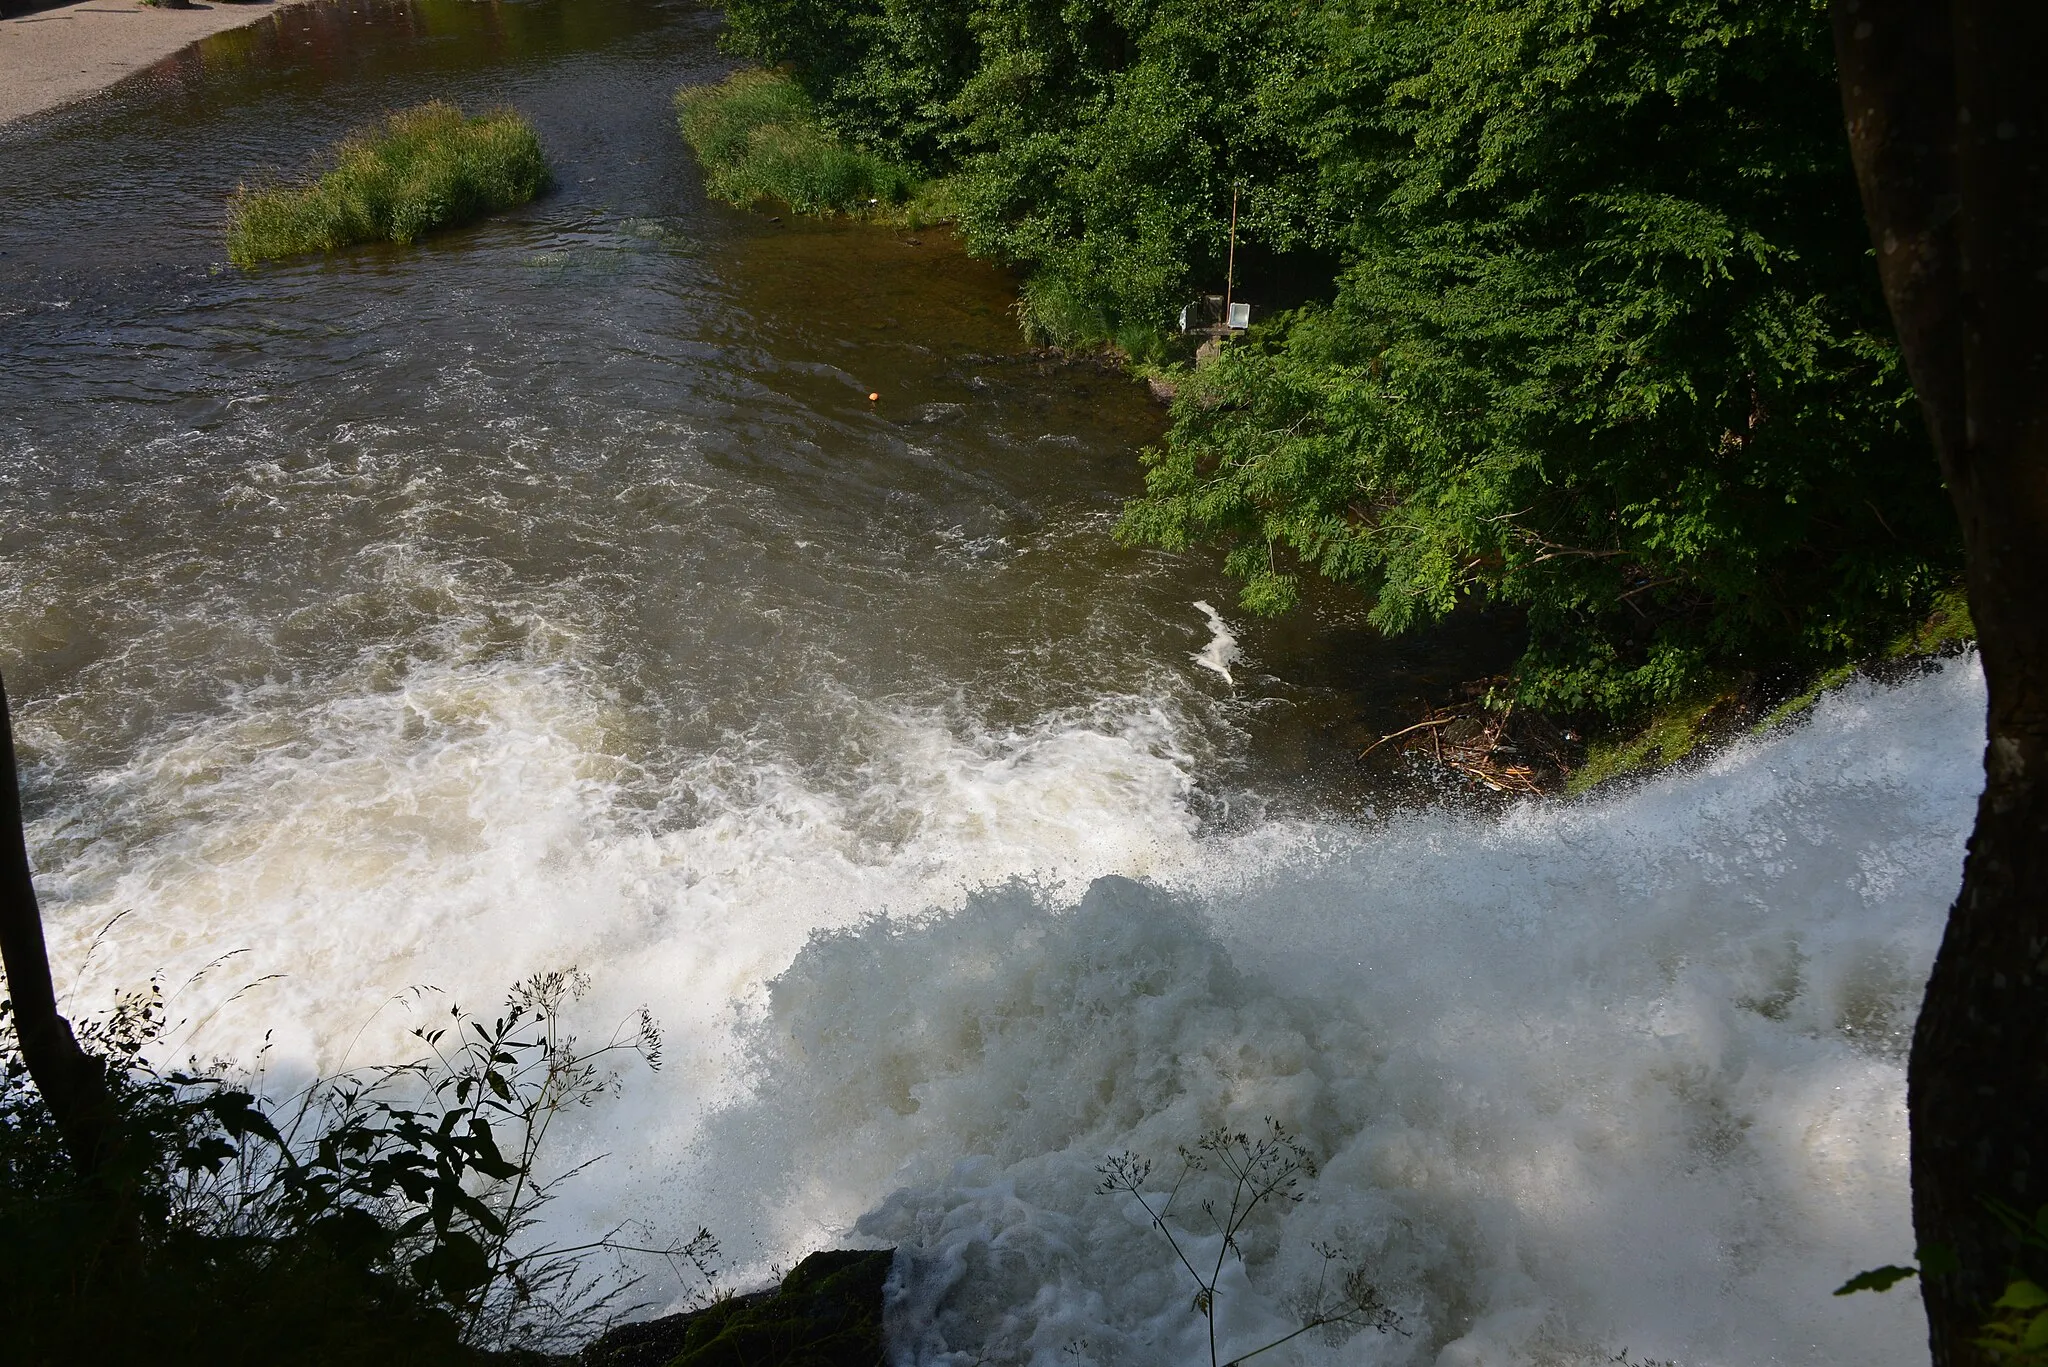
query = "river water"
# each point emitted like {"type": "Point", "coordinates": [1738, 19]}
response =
{"type": "Point", "coordinates": [551, 594]}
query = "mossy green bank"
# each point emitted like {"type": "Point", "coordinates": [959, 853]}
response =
{"type": "Point", "coordinates": [1675, 732]}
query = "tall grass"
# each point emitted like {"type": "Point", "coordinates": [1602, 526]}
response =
{"type": "Point", "coordinates": [759, 138]}
{"type": "Point", "coordinates": [425, 168]}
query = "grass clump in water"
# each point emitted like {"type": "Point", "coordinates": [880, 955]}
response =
{"type": "Point", "coordinates": [759, 137]}
{"type": "Point", "coordinates": [425, 168]}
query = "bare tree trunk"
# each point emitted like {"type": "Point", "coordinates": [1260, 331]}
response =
{"type": "Point", "coordinates": [1947, 109]}
{"type": "Point", "coordinates": [73, 1083]}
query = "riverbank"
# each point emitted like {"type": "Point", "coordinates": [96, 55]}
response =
{"type": "Point", "coordinates": [54, 56]}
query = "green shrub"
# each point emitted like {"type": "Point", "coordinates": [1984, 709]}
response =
{"type": "Point", "coordinates": [1608, 347]}
{"type": "Point", "coordinates": [379, 1216]}
{"type": "Point", "coordinates": [428, 167]}
{"type": "Point", "coordinates": [759, 138]}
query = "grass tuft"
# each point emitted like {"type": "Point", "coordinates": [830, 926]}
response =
{"type": "Point", "coordinates": [759, 137]}
{"type": "Point", "coordinates": [425, 168]}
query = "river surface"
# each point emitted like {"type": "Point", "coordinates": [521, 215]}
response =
{"type": "Point", "coordinates": [551, 594]}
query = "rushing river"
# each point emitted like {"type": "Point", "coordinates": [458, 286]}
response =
{"type": "Point", "coordinates": [552, 594]}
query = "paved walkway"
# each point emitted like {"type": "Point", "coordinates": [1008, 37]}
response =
{"type": "Point", "coordinates": [55, 56]}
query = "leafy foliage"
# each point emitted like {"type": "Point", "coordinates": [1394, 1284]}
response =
{"type": "Point", "coordinates": [428, 167]}
{"type": "Point", "coordinates": [2016, 1335]}
{"type": "Point", "coordinates": [377, 1216]}
{"type": "Point", "coordinates": [757, 135]}
{"type": "Point", "coordinates": [1596, 333]}
{"type": "Point", "coordinates": [1266, 1171]}
{"type": "Point", "coordinates": [1092, 143]}
{"type": "Point", "coordinates": [1609, 348]}
{"type": "Point", "coordinates": [884, 73]}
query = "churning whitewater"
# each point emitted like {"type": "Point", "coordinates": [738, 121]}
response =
{"type": "Point", "coordinates": [1626, 1073]}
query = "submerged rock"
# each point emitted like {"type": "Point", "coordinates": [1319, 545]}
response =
{"type": "Point", "coordinates": [826, 1313]}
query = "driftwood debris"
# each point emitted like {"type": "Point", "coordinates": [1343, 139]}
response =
{"type": "Point", "coordinates": [1503, 750]}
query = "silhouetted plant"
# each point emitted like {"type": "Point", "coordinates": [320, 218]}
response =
{"type": "Point", "coordinates": [396, 1206]}
{"type": "Point", "coordinates": [1263, 1171]}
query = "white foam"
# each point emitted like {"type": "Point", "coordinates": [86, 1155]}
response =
{"type": "Point", "coordinates": [471, 823]}
{"type": "Point", "coordinates": [1222, 651]}
{"type": "Point", "coordinates": [1625, 1073]}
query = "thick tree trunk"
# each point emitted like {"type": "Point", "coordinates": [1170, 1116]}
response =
{"type": "Point", "coordinates": [1947, 109]}
{"type": "Point", "coordinates": [1897, 65]}
{"type": "Point", "coordinates": [73, 1082]}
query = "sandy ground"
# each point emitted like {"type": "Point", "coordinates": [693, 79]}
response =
{"type": "Point", "coordinates": [57, 55]}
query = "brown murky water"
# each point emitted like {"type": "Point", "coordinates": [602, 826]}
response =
{"type": "Point", "coordinates": [621, 435]}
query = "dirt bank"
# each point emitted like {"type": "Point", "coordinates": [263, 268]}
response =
{"type": "Point", "coordinates": [54, 56]}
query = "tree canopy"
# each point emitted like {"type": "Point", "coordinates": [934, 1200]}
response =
{"type": "Point", "coordinates": [1584, 317]}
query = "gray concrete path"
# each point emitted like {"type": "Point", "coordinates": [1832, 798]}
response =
{"type": "Point", "coordinates": [58, 55]}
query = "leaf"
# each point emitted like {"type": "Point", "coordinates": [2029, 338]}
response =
{"type": "Point", "coordinates": [2037, 1333]}
{"type": "Point", "coordinates": [457, 1267]}
{"type": "Point", "coordinates": [1876, 1279]}
{"type": "Point", "coordinates": [208, 1153]}
{"type": "Point", "coordinates": [239, 1114]}
{"type": "Point", "coordinates": [2021, 1295]}
{"type": "Point", "coordinates": [486, 1157]}
{"type": "Point", "coordinates": [479, 1212]}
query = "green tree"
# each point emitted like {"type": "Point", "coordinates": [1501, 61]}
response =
{"type": "Point", "coordinates": [1093, 143]}
{"type": "Point", "coordinates": [1598, 334]}
{"type": "Point", "coordinates": [1608, 347]}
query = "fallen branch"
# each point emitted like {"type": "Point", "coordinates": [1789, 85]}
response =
{"type": "Point", "coordinates": [1395, 735]}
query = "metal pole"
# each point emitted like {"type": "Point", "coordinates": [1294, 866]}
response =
{"type": "Point", "coordinates": [1230, 270]}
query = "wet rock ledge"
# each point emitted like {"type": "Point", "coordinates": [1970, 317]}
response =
{"type": "Point", "coordinates": [826, 1313]}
